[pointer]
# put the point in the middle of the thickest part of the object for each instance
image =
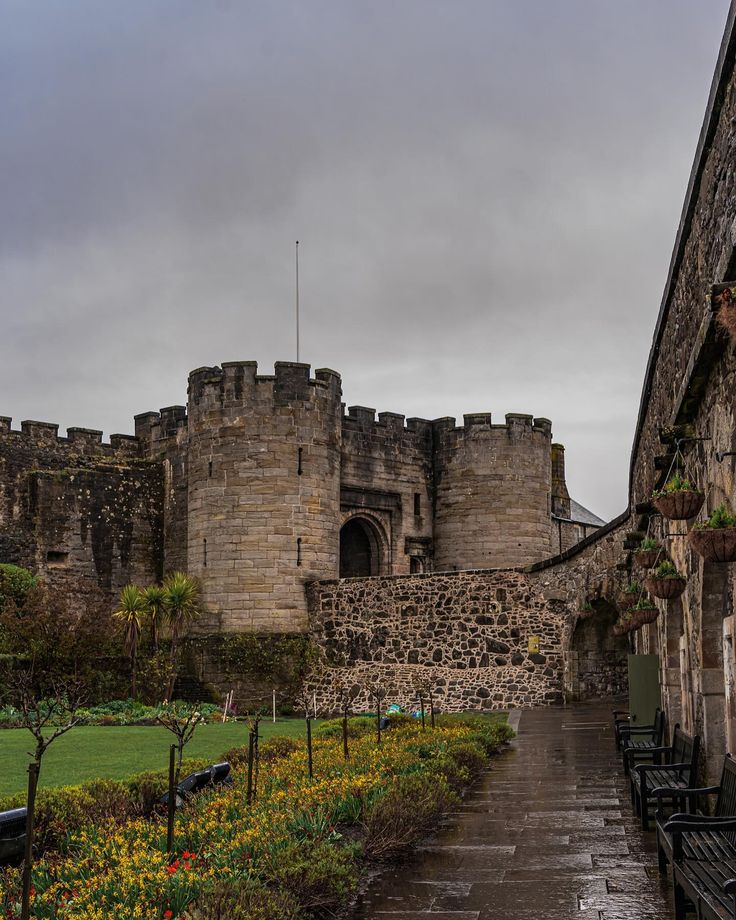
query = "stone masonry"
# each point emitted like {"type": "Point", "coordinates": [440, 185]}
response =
{"type": "Point", "coordinates": [263, 484]}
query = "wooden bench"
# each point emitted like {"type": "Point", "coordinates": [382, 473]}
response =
{"type": "Point", "coordinates": [664, 782]}
{"type": "Point", "coordinates": [708, 888]}
{"type": "Point", "coordinates": [621, 721]}
{"type": "Point", "coordinates": [639, 741]}
{"type": "Point", "coordinates": [717, 840]}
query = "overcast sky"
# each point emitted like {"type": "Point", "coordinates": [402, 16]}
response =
{"type": "Point", "coordinates": [486, 196]}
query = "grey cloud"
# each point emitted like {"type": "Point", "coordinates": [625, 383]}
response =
{"type": "Point", "coordinates": [486, 195]}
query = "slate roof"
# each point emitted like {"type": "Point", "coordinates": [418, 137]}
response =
{"type": "Point", "coordinates": [582, 516]}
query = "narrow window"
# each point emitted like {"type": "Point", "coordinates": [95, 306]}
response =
{"type": "Point", "coordinates": [298, 550]}
{"type": "Point", "coordinates": [299, 468]}
{"type": "Point", "coordinates": [56, 557]}
{"type": "Point", "coordinates": [204, 547]}
{"type": "Point", "coordinates": [417, 504]}
{"type": "Point", "coordinates": [209, 469]}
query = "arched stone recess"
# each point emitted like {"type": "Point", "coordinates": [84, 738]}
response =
{"type": "Point", "coordinates": [365, 547]}
{"type": "Point", "coordinates": [595, 663]}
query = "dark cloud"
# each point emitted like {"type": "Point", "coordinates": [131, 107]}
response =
{"type": "Point", "coordinates": [486, 195]}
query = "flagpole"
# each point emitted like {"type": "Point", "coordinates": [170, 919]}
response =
{"type": "Point", "coordinates": [297, 301]}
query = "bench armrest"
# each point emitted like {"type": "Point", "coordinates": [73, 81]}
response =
{"type": "Point", "coordinates": [665, 768]}
{"type": "Point", "coordinates": [664, 749]}
{"type": "Point", "coordinates": [676, 824]}
{"type": "Point", "coordinates": [638, 729]}
{"type": "Point", "coordinates": [702, 790]}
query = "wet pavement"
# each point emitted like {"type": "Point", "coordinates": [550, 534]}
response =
{"type": "Point", "coordinates": [548, 835]}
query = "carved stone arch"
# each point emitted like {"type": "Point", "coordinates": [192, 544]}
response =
{"type": "Point", "coordinates": [365, 549]}
{"type": "Point", "coordinates": [595, 664]}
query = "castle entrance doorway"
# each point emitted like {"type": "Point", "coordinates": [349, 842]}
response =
{"type": "Point", "coordinates": [360, 549]}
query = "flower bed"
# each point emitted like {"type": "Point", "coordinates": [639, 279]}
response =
{"type": "Point", "coordinates": [299, 849]}
{"type": "Point", "coordinates": [115, 712]}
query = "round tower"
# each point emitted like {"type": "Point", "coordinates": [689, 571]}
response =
{"type": "Point", "coordinates": [492, 492]}
{"type": "Point", "coordinates": [264, 492]}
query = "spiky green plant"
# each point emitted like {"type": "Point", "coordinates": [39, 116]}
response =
{"type": "Point", "coordinates": [132, 613]}
{"type": "Point", "coordinates": [183, 606]}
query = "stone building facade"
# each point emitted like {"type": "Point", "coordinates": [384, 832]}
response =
{"type": "Point", "coordinates": [262, 484]}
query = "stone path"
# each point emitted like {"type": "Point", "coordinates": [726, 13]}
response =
{"type": "Point", "coordinates": [525, 848]}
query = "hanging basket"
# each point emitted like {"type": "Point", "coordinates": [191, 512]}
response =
{"type": "Point", "coordinates": [627, 599]}
{"type": "Point", "coordinates": [715, 544]}
{"type": "Point", "coordinates": [679, 506]}
{"type": "Point", "coordinates": [646, 558]}
{"type": "Point", "coordinates": [665, 588]}
{"type": "Point", "coordinates": [644, 616]}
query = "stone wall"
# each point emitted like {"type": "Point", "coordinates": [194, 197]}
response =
{"type": "Point", "coordinates": [75, 509]}
{"type": "Point", "coordinates": [469, 632]}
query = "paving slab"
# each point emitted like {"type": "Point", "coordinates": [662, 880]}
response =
{"type": "Point", "coordinates": [547, 835]}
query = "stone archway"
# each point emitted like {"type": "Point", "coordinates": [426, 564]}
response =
{"type": "Point", "coordinates": [596, 663]}
{"type": "Point", "coordinates": [361, 548]}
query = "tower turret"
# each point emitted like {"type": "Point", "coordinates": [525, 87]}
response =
{"type": "Point", "coordinates": [264, 491]}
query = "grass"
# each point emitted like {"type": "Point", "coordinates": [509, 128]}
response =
{"type": "Point", "coordinates": [114, 752]}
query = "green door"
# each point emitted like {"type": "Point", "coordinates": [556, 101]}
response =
{"type": "Point", "coordinates": [644, 695]}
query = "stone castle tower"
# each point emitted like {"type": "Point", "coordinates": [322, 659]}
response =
{"type": "Point", "coordinates": [261, 485]}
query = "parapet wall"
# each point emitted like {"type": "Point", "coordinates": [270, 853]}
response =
{"type": "Point", "coordinates": [77, 508]}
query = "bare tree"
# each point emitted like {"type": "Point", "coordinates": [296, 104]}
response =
{"type": "Point", "coordinates": [47, 715]}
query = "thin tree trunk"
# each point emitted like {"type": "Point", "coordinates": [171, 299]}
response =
{"type": "Point", "coordinates": [33, 771]}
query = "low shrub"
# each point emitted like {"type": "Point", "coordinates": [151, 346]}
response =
{"type": "Point", "coordinates": [319, 876]}
{"type": "Point", "coordinates": [357, 727]}
{"type": "Point", "coordinates": [470, 756]}
{"type": "Point", "coordinates": [407, 811]}
{"type": "Point", "coordinates": [244, 900]}
{"type": "Point", "coordinates": [278, 748]}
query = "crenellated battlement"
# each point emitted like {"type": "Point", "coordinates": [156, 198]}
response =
{"type": "Point", "coordinates": [88, 441]}
{"type": "Point", "coordinates": [237, 386]}
{"type": "Point", "coordinates": [516, 427]}
{"type": "Point", "coordinates": [363, 419]}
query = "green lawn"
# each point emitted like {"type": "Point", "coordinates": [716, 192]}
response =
{"type": "Point", "coordinates": [114, 752]}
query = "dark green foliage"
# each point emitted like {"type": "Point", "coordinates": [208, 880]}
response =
{"type": "Point", "coordinates": [666, 569]}
{"type": "Point", "coordinates": [318, 875]}
{"type": "Point", "coordinates": [15, 583]}
{"type": "Point", "coordinates": [721, 517]}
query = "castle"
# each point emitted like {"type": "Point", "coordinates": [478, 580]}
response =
{"type": "Point", "coordinates": [262, 484]}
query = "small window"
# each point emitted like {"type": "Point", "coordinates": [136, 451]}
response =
{"type": "Point", "coordinates": [209, 469]}
{"type": "Point", "coordinates": [299, 462]}
{"type": "Point", "coordinates": [204, 551]}
{"type": "Point", "coordinates": [298, 550]}
{"type": "Point", "coordinates": [417, 504]}
{"type": "Point", "coordinates": [56, 558]}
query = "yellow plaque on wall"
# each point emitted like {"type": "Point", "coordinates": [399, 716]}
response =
{"type": "Point", "coordinates": [533, 645]}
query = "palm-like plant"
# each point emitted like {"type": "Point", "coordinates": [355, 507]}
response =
{"type": "Point", "coordinates": [155, 600]}
{"type": "Point", "coordinates": [132, 613]}
{"type": "Point", "coordinates": [183, 606]}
